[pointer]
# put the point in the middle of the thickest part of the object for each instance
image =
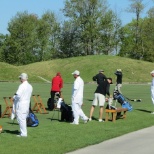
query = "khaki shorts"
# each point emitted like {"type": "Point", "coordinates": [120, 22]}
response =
{"type": "Point", "coordinates": [99, 98]}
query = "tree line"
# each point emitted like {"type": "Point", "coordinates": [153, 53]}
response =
{"type": "Point", "coordinates": [90, 28]}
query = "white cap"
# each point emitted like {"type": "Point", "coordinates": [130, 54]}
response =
{"type": "Point", "coordinates": [119, 70]}
{"type": "Point", "coordinates": [76, 72]}
{"type": "Point", "coordinates": [152, 72]}
{"type": "Point", "coordinates": [23, 76]}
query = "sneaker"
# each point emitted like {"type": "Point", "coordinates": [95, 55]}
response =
{"type": "Point", "coordinates": [86, 121]}
{"type": "Point", "coordinates": [73, 123]}
{"type": "Point", "coordinates": [100, 120]}
{"type": "Point", "coordinates": [90, 119]}
{"type": "Point", "coordinates": [21, 136]}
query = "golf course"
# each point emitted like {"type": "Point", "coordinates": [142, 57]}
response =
{"type": "Point", "coordinates": [55, 137]}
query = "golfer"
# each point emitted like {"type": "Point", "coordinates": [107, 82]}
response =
{"type": "Point", "coordinates": [21, 104]}
{"type": "Point", "coordinates": [152, 88]}
{"type": "Point", "coordinates": [118, 73]}
{"type": "Point", "coordinates": [99, 97]}
{"type": "Point", "coordinates": [56, 85]}
{"type": "Point", "coordinates": [77, 99]}
{"type": "Point", "coordinates": [100, 77]}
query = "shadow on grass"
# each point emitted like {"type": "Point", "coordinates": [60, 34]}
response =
{"type": "Point", "coordinates": [90, 100]}
{"type": "Point", "coordinates": [11, 131]}
{"type": "Point", "coordinates": [54, 119]}
{"type": "Point", "coordinates": [12, 123]}
{"type": "Point", "coordinates": [93, 118]}
{"type": "Point", "coordinates": [144, 110]}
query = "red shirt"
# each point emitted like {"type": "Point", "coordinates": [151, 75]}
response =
{"type": "Point", "coordinates": [57, 83]}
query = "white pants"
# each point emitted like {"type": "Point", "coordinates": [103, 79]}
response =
{"type": "Point", "coordinates": [77, 112]}
{"type": "Point", "coordinates": [22, 114]}
{"type": "Point", "coordinates": [152, 95]}
{"type": "Point", "coordinates": [117, 87]}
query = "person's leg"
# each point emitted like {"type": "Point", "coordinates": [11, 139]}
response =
{"type": "Point", "coordinates": [51, 104]}
{"type": "Point", "coordinates": [101, 105]}
{"type": "Point", "coordinates": [152, 97]}
{"type": "Point", "coordinates": [94, 103]}
{"type": "Point", "coordinates": [118, 88]}
{"type": "Point", "coordinates": [91, 112]}
{"type": "Point", "coordinates": [21, 118]}
{"type": "Point", "coordinates": [101, 112]}
{"type": "Point", "coordinates": [81, 113]}
{"type": "Point", "coordinates": [75, 109]}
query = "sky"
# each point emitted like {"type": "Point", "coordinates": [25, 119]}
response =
{"type": "Point", "coordinates": [9, 9]}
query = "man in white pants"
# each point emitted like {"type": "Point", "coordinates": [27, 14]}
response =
{"type": "Point", "coordinates": [77, 99]}
{"type": "Point", "coordinates": [21, 104]}
{"type": "Point", "coordinates": [152, 88]}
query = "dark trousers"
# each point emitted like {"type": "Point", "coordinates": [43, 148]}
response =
{"type": "Point", "coordinates": [53, 96]}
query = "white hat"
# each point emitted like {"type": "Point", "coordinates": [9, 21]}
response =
{"type": "Point", "coordinates": [152, 72]}
{"type": "Point", "coordinates": [23, 76]}
{"type": "Point", "coordinates": [76, 72]}
{"type": "Point", "coordinates": [119, 70]}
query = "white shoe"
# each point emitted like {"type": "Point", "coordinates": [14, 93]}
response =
{"type": "Point", "coordinates": [73, 123]}
{"type": "Point", "coordinates": [152, 112]}
{"type": "Point", "coordinates": [86, 121]}
{"type": "Point", "coordinates": [21, 136]}
{"type": "Point", "coordinates": [90, 119]}
{"type": "Point", "coordinates": [100, 120]}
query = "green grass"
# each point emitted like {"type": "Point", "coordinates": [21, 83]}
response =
{"type": "Point", "coordinates": [52, 136]}
{"type": "Point", "coordinates": [133, 70]}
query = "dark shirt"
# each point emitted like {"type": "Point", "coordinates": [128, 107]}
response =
{"type": "Point", "coordinates": [103, 88]}
{"type": "Point", "coordinates": [99, 78]}
{"type": "Point", "coordinates": [119, 77]}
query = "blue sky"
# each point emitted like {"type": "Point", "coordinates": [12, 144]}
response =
{"type": "Point", "coordinates": [9, 9]}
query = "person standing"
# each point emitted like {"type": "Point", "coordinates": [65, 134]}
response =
{"type": "Point", "coordinates": [56, 86]}
{"type": "Point", "coordinates": [118, 86]}
{"type": "Point", "coordinates": [99, 77]}
{"type": "Point", "coordinates": [99, 97]}
{"type": "Point", "coordinates": [152, 88]}
{"type": "Point", "coordinates": [21, 103]}
{"type": "Point", "coordinates": [77, 98]}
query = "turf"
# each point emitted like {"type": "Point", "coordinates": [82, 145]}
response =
{"type": "Point", "coordinates": [53, 136]}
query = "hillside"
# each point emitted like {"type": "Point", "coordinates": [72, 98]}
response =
{"type": "Point", "coordinates": [133, 70]}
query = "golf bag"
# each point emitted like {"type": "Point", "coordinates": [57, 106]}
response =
{"type": "Point", "coordinates": [50, 104]}
{"type": "Point", "coordinates": [32, 120]}
{"type": "Point", "coordinates": [66, 113]}
{"type": "Point", "coordinates": [121, 99]}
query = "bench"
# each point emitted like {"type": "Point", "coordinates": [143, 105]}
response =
{"type": "Point", "coordinates": [114, 113]}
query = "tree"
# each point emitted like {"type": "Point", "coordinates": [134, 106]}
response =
{"type": "Point", "coordinates": [48, 34]}
{"type": "Point", "coordinates": [88, 17]}
{"type": "Point", "coordinates": [137, 7]}
{"type": "Point", "coordinates": [22, 42]}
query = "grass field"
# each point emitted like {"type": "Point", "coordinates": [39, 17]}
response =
{"type": "Point", "coordinates": [134, 71]}
{"type": "Point", "coordinates": [55, 137]}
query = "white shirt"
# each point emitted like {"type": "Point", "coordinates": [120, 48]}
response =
{"type": "Point", "coordinates": [22, 96]}
{"type": "Point", "coordinates": [77, 91]}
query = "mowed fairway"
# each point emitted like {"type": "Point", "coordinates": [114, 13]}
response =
{"type": "Point", "coordinates": [53, 136]}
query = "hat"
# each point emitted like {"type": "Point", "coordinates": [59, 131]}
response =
{"type": "Point", "coordinates": [76, 72]}
{"type": "Point", "coordinates": [58, 74]}
{"type": "Point", "coordinates": [152, 72]}
{"type": "Point", "coordinates": [23, 76]}
{"type": "Point", "coordinates": [110, 80]}
{"type": "Point", "coordinates": [119, 70]}
{"type": "Point", "coordinates": [101, 71]}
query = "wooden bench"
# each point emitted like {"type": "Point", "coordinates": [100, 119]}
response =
{"type": "Point", "coordinates": [114, 113]}
{"type": "Point", "coordinates": [9, 106]}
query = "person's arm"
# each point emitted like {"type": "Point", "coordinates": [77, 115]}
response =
{"type": "Point", "coordinates": [108, 89]}
{"type": "Point", "coordinates": [118, 73]}
{"type": "Point", "coordinates": [61, 84]}
{"type": "Point", "coordinates": [94, 78]}
{"type": "Point", "coordinates": [75, 90]}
